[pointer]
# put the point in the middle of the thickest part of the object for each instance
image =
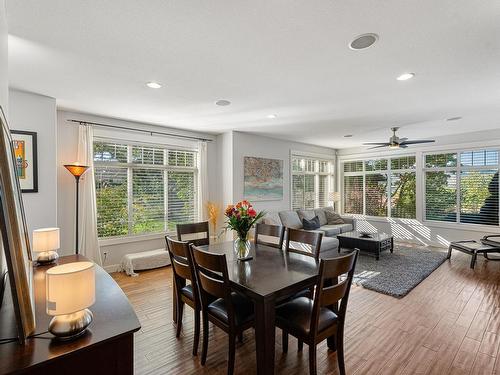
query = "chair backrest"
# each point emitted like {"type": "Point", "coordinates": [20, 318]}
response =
{"type": "Point", "coordinates": [304, 242]}
{"type": "Point", "coordinates": [213, 279]}
{"type": "Point", "coordinates": [194, 230]}
{"type": "Point", "coordinates": [277, 231]}
{"type": "Point", "coordinates": [182, 264]}
{"type": "Point", "coordinates": [330, 290]}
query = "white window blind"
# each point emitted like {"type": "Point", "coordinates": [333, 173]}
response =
{"type": "Point", "coordinates": [143, 189]}
{"type": "Point", "coordinates": [312, 180]}
{"type": "Point", "coordinates": [380, 187]}
{"type": "Point", "coordinates": [462, 187]}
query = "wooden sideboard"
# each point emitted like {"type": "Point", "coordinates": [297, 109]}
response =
{"type": "Point", "coordinates": [107, 347]}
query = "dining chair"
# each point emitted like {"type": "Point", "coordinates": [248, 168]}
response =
{"type": "Point", "coordinates": [196, 233]}
{"type": "Point", "coordinates": [183, 270]}
{"type": "Point", "coordinates": [230, 311]}
{"type": "Point", "coordinates": [314, 320]}
{"type": "Point", "coordinates": [303, 242]}
{"type": "Point", "coordinates": [276, 231]}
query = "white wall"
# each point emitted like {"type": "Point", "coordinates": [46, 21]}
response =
{"type": "Point", "coordinates": [4, 85]}
{"type": "Point", "coordinates": [37, 113]}
{"type": "Point", "coordinates": [245, 144]}
{"type": "Point", "coordinates": [67, 153]}
{"type": "Point", "coordinates": [417, 230]}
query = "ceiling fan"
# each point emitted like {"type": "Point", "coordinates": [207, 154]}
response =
{"type": "Point", "coordinates": [396, 142]}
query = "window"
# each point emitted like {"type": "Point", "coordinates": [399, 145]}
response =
{"type": "Point", "coordinates": [143, 189]}
{"type": "Point", "coordinates": [462, 187]}
{"type": "Point", "coordinates": [380, 187]}
{"type": "Point", "coordinates": [312, 180]}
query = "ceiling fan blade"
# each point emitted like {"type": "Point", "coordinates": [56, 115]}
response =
{"type": "Point", "coordinates": [377, 143]}
{"type": "Point", "coordinates": [417, 142]}
{"type": "Point", "coordinates": [403, 139]}
{"type": "Point", "coordinates": [403, 146]}
{"type": "Point", "coordinates": [380, 146]}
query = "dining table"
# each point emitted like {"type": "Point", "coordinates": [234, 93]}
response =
{"type": "Point", "coordinates": [271, 275]}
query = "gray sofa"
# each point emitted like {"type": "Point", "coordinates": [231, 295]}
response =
{"type": "Point", "coordinates": [293, 219]}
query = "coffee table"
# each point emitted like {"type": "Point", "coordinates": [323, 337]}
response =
{"type": "Point", "coordinates": [375, 244]}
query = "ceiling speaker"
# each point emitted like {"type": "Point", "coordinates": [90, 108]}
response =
{"type": "Point", "coordinates": [363, 41]}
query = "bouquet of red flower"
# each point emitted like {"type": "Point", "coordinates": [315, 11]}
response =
{"type": "Point", "coordinates": [241, 217]}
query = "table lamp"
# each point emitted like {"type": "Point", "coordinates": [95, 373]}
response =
{"type": "Point", "coordinates": [70, 290]}
{"type": "Point", "coordinates": [77, 170]}
{"type": "Point", "coordinates": [334, 196]}
{"type": "Point", "coordinates": [46, 244]}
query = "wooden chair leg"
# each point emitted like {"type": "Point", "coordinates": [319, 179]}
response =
{"type": "Point", "coordinates": [204, 348]}
{"type": "Point", "coordinates": [340, 352]}
{"type": "Point", "coordinates": [230, 360]}
{"type": "Point", "coordinates": [196, 331]}
{"type": "Point", "coordinates": [180, 310]}
{"type": "Point", "coordinates": [300, 345]}
{"type": "Point", "coordinates": [284, 341]}
{"type": "Point", "coordinates": [449, 252]}
{"type": "Point", "coordinates": [312, 360]}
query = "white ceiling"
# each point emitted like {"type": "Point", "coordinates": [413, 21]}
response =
{"type": "Point", "coordinates": [284, 57]}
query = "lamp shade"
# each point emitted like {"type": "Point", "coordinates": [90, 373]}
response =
{"type": "Point", "coordinates": [334, 196]}
{"type": "Point", "coordinates": [70, 287]}
{"type": "Point", "coordinates": [76, 169]}
{"type": "Point", "coordinates": [45, 239]}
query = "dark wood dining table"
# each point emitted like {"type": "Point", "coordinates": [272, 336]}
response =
{"type": "Point", "coordinates": [270, 275]}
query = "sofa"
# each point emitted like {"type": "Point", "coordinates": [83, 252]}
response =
{"type": "Point", "coordinates": [293, 219]}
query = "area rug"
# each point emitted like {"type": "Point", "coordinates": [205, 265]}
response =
{"type": "Point", "coordinates": [398, 273]}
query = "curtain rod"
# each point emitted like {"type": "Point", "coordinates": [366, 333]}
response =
{"type": "Point", "coordinates": [140, 130]}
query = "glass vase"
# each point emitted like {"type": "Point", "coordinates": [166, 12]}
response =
{"type": "Point", "coordinates": [241, 247]}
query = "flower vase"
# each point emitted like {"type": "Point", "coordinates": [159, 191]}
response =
{"type": "Point", "coordinates": [241, 247]}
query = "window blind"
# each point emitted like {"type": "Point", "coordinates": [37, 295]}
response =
{"type": "Point", "coordinates": [353, 194]}
{"type": "Point", "coordinates": [312, 180]}
{"type": "Point", "coordinates": [143, 189]}
{"type": "Point", "coordinates": [462, 187]}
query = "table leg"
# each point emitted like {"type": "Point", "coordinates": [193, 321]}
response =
{"type": "Point", "coordinates": [264, 336]}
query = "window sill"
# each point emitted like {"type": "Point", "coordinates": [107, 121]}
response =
{"type": "Point", "coordinates": [430, 224]}
{"type": "Point", "coordinates": [132, 239]}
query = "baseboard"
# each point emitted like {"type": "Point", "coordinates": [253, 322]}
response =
{"type": "Point", "coordinates": [112, 268]}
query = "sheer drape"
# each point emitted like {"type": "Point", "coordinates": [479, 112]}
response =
{"type": "Point", "coordinates": [202, 179]}
{"type": "Point", "coordinates": [88, 240]}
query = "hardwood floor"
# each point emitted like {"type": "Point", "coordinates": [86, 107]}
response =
{"type": "Point", "coordinates": [449, 324]}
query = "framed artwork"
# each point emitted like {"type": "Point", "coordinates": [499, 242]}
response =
{"type": "Point", "coordinates": [15, 241]}
{"type": "Point", "coordinates": [263, 179]}
{"type": "Point", "coordinates": [25, 151]}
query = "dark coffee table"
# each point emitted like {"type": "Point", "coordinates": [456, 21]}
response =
{"type": "Point", "coordinates": [375, 244]}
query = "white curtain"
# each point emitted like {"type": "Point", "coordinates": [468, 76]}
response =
{"type": "Point", "coordinates": [88, 240]}
{"type": "Point", "coordinates": [202, 179]}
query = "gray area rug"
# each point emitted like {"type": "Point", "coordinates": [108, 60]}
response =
{"type": "Point", "coordinates": [398, 273]}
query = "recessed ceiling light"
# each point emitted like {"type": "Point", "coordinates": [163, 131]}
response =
{"type": "Point", "coordinates": [272, 116]}
{"type": "Point", "coordinates": [406, 76]}
{"type": "Point", "coordinates": [363, 41]}
{"type": "Point", "coordinates": [222, 102]}
{"type": "Point", "coordinates": [454, 118]}
{"type": "Point", "coordinates": [153, 85]}
{"type": "Point", "coordinates": [348, 136]}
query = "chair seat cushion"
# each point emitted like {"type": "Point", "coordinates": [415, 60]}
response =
{"type": "Point", "coordinates": [188, 292]}
{"type": "Point", "coordinates": [243, 309]}
{"type": "Point", "coordinates": [295, 316]}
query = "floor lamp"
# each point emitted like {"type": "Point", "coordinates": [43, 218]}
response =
{"type": "Point", "coordinates": [77, 171]}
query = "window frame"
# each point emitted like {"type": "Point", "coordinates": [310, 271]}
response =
{"type": "Point", "coordinates": [458, 170]}
{"type": "Point", "coordinates": [317, 158]}
{"type": "Point", "coordinates": [388, 171]}
{"type": "Point", "coordinates": [130, 166]}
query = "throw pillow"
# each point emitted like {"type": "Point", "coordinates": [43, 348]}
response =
{"type": "Point", "coordinates": [311, 224]}
{"type": "Point", "coordinates": [333, 218]}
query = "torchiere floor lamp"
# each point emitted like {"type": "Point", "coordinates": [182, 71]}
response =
{"type": "Point", "coordinates": [77, 171]}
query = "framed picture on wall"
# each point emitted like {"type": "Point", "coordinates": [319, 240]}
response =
{"type": "Point", "coordinates": [263, 179]}
{"type": "Point", "coordinates": [25, 151]}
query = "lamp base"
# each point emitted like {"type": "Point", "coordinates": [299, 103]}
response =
{"type": "Point", "coordinates": [70, 326]}
{"type": "Point", "coordinates": [47, 257]}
